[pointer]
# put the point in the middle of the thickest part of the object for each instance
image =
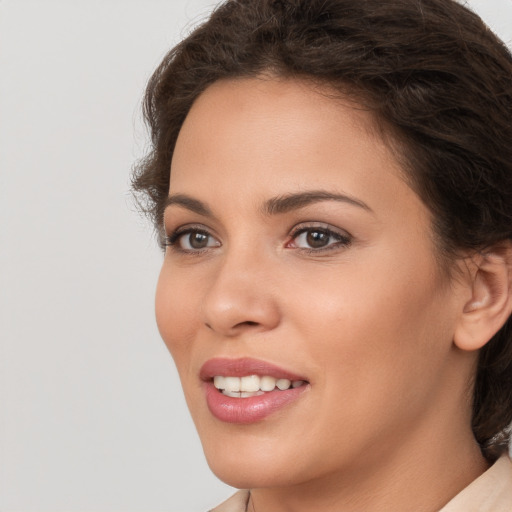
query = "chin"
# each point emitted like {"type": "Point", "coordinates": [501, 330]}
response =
{"type": "Point", "coordinates": [251, 459]}
{"type": "Point", "coordinates": [244, 472]}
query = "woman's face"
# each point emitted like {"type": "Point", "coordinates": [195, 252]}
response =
{"type": "Point", "coordinates": [298, 254]}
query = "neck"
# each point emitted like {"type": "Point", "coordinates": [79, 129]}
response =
{"type": "Point", "coordinates": [428, 469]}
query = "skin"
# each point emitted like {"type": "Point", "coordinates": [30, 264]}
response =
{"type": "Point", "coordinates": [385, 422]}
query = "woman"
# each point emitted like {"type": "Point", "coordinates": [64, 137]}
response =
{"type": "Point", "coordinates": [332, 183]}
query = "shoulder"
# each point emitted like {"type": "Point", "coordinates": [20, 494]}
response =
{"type": "Point", "coordinates": [237, 503]}
{"type": "Point", "coordinates": [490, 492]}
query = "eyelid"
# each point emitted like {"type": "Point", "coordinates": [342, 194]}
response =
{"type": "Point", "coordinates": [171, 239]}
{"type": "Point", "coordinates": [343, 237]}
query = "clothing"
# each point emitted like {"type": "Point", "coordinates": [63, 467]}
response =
{"type": "Point", "coordinates": [237, 503]}
{"type": "Point", "coordinates": [490, 492]}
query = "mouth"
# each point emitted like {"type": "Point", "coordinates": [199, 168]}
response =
{"type": "Point", "coordinates": [248, 390]}
{"type": "Point", "coordinates": [253, 385]}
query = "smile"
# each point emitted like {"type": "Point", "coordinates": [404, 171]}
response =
{"type": "Point", "coordinates": [264, 388]}
{"type": "Point", "coordinates": [252, 385]}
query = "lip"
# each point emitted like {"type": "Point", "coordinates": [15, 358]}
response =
{"type": "Point", "coordinates": [242, 367]}
{"type": "Point", "coordinates": [252, 409]}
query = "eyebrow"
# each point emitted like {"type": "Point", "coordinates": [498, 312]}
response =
{"type": "Point", "coordinates": [289, 202]}
{"type": "Point", "coordinates": [274, 206]}
{"type": "Point", "coordinates": [194, 205]}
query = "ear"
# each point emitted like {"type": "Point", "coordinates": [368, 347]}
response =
{"type": "Point", "coordinates": [490, 303]}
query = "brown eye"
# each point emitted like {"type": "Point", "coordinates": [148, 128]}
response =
{"type": "Point", "coordinates": [197, 240]}
{"type": "Point", "coordinates": [316, 238]}
{"type": "Point", "coordinates": [192, 240]}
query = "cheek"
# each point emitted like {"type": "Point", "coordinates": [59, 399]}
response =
{"type": "Point", "coordinates": [372, 325]}
{"type": "Point", "coordinates": [177, 312]}
{"type": "Point", "coordinates": [378, 357]}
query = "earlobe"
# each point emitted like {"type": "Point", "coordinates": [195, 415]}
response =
{"type": "Point", "coordinates": [490, 304]}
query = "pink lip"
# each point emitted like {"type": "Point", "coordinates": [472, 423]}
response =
{"type": "Point", "coordinates": [247, 410]}
{"type": "Point", "coordinates": [242, 367]}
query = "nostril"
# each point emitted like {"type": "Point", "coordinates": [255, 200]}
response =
{"type": "Point", "coordinates": [249, 323]}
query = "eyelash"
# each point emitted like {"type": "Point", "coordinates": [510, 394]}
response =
{"type": "Point", "coordinates": [172, 240]}
{"type": "Point", "coordinates": [341, 239]}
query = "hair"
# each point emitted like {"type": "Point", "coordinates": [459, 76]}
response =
{"type": "Point", "coordinates": [437, 81]}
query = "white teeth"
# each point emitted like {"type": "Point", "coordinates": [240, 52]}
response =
{"type": "Point", "coordinates": [267, 383]}
{"type": "Point", "coordinates": [219, 382]}
{"type": "Point", "coordinates": [283, 384]}
{"type": "Point", "coordinates": [252, 385]}
{"type": "Point", "coordinates": [234, 394]}
{"type": "Point", "coordinates": [232, 383]}
{"type": "Point", "coordinates": [247, 395]}
{"type": "Point", "coordinates": [242, 394]}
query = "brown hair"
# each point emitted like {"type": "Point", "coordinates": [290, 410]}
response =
{"type": "Point", "coordinates": [431, 72]}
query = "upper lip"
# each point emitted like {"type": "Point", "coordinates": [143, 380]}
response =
{"type": "Point", "coordinates": [242, 367]}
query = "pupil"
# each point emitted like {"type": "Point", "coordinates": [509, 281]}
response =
{"type": "Point", "coordinates": [198, 240]}
{"type": "Point", "coordinates": [317, 239]}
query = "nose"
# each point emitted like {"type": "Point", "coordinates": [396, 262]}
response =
{"type": "Point", "coordinates": [242, 297]}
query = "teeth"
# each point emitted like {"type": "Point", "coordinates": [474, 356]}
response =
{"type": "Point", "coordinates": [252, 385]}
{"type": "Point", "coordinates": [242, 394]}
{"type": "Point", "coordinates": [232, 383]}
{"type": "Point", "coordinates": [219, 382]}
{"type": "Point", "coordinates": [283, 384]}
{"type": "Point", "coordinates": [267, 383]}
{"type": "Point", "coordinates": [234, 394]}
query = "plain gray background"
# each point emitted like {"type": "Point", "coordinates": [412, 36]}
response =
{"type": "Point", "coordinates": [91, 417]}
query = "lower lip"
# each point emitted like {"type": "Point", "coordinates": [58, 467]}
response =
{"type": "Point", "coordinates": [251, 409]}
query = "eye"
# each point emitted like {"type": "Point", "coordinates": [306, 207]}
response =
{"type": "Point", "coordinates": [191, 240]}
{"type": "Point", "coordinates": [317, 238]}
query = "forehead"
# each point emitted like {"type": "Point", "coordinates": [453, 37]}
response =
{"type": "Point", "coordinates": [265, 127]}
{"type": "Point", "coordinates": [274, 102]}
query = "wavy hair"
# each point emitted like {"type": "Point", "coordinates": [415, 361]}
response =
{"type": "Point", "coordinates": [439, 84]}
